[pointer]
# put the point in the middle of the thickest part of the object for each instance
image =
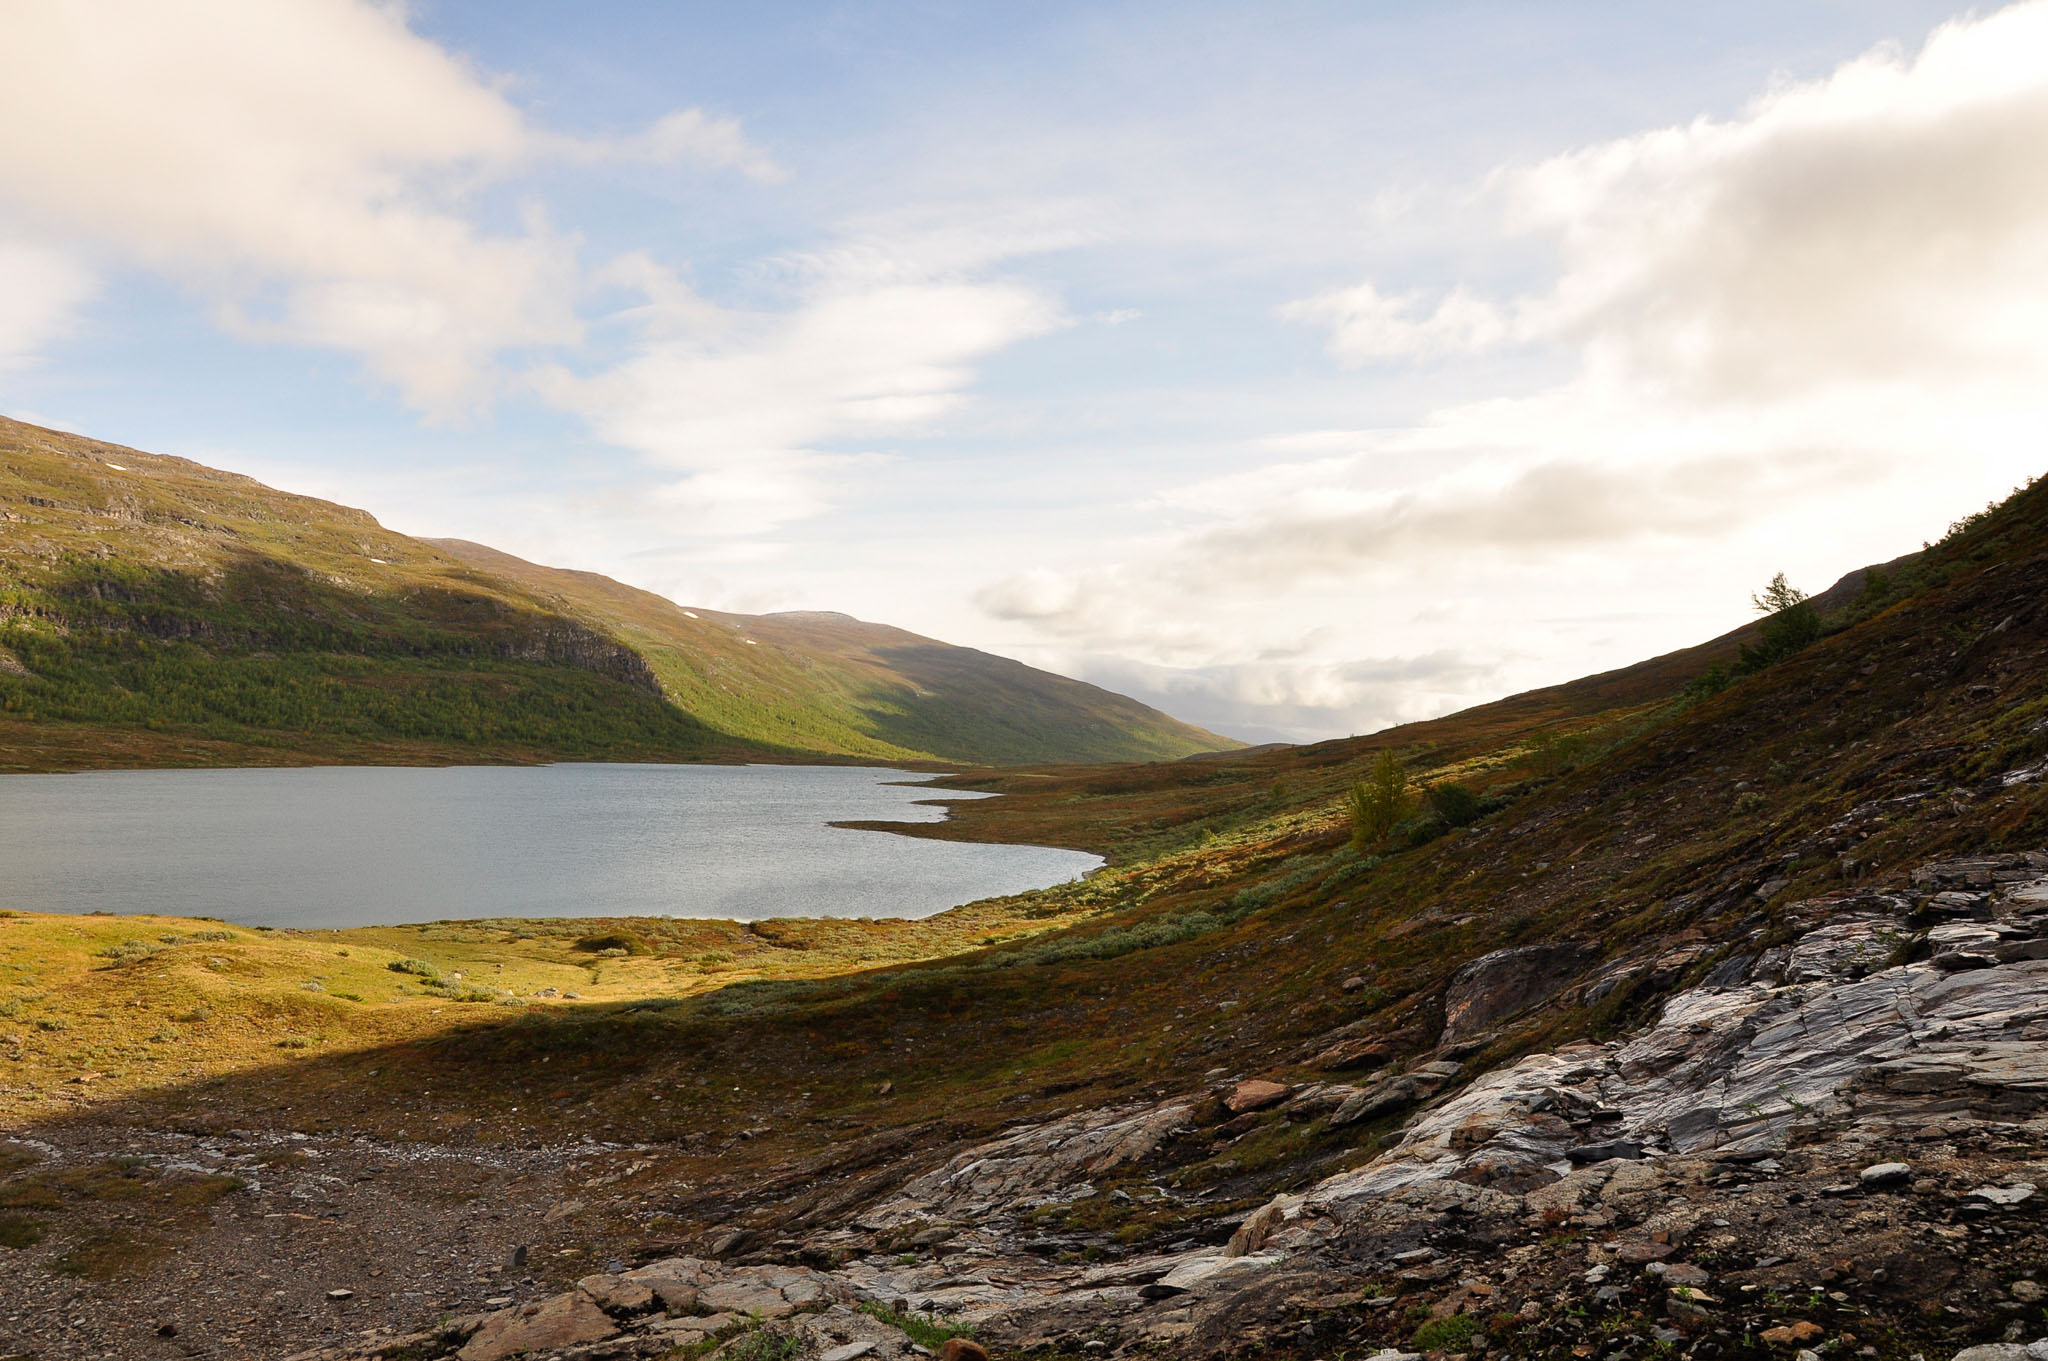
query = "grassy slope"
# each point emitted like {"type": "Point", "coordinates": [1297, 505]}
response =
{"type": "Point", "coordinates": [154, 611]}
{"type": "Point", "coordinates": [818, 679]}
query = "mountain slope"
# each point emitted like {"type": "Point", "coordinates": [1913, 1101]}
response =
{"type": "Point", "coordinates": [155, 611]}
{"type": "Point", "coordinates": [869, 688]}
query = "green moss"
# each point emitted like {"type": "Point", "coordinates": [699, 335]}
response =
{"type": "Point", "coordinates": [1450, 1334]}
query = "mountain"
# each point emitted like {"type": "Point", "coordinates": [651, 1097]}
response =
{"type": "Point", "coordinates": [868, 689]}
{"type": "Point", "coordinates": [1706, 1022]}
{"type": "Point", "coordinates": [155, 611]}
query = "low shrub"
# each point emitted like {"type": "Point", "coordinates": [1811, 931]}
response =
{"type": "Point", "coordinates": [1117, 941]}
{"type": "Point", "coordinates": [615, 943]}
{"type": "Point", "coordinates": [1420, 829]}
{"type": "Point", "coordinates": [1296, 872]}
{"type": "Point", "coordinates": [1457, 804]}
{"type": "Point", "coordinates": [19, 1231]}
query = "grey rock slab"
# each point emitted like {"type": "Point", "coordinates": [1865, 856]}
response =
{"type": "Point", "coordinates": [1208, 1271]}
{"type": "Point", "coordinates": [745, 1297]}
{"type": "Point", "coordinates": [1843, 950]}
{"type": "Point", "coordinates": [1729, 1068]}
{"type": "Point", "coordinates": [1885, 1174]}
{"type": "Point", "coordinates": [1035, 1165]}
{"type": "Point", "coordinates": [852, 1350]}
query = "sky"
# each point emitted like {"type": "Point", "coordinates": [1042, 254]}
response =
{"type": "Point", "coordinates": [1300, 368]}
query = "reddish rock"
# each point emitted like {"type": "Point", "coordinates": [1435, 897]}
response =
{"type": "Point", "coordinates": [1793, 1334]}
{"type": "Point", "coordinates": [562, 1321]}
{"type": "Point", "coordinates": [1360, 1051]}
{"type": "Point", "coordinates": [1507, 981]}
{"type": "Point", "coordinates": [1255, 1095]}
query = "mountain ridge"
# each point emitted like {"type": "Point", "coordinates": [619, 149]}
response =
{"type": "Point", "coordinates": [157, 611]}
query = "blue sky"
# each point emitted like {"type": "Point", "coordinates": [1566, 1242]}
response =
{"type": "Point", "coordinates": [1301, 368]}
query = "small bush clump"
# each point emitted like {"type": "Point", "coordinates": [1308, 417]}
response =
{"type": "Point", "coordinates": [19, 1231]}
{"type": "Point", "coordinates": [615, 943]}
{"type": "Point", "coordinates": [1456, 804]}
{"type": "Point", "coordinates": [418, 968]}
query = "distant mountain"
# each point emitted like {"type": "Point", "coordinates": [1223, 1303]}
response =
{"type": "Point", "coordinates": [156, 611]}
{"type": "Point", "coordinates": [885, 691]}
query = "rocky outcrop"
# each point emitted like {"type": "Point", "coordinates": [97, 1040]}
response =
{"type": "Point", "coordinates": [1033, 1166]}
{"type": "Point", "coordinates": [568, 643]}
{"type": "Point", "coordinates": [1498, 985]}
{"type": "Point", "coordinates": [1815, 1111]}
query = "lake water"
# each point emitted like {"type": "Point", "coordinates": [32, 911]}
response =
{"type": "Point", "coordinates": [370, 846]}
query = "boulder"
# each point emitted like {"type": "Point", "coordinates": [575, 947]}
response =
{"type": "Point", "coordinates": [1256, 1094]}
{"type": "Point", "coordinates": [1507, 981]}
{"type": "Point", "coordinates": [1356, 1051]}
{"type": "Point", "coordinates": [1792, 1334]}
{"type": "Point", "coordinates": [554, 1323]}
{"type": "Point", "coordinates": [617, 1295]}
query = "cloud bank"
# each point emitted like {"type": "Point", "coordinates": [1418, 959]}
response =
{"type": "Point", "coordinates": [1791, 331]}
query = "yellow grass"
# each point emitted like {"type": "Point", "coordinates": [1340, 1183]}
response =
{"type": "Point", "coordinates": [97, 1008]}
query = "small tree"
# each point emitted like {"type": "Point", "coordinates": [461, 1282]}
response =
{"type": "Point", "coordinates": [1379, 801]}
{"type": "Point", "coordinates": [1790, 623]}
{"type": "Point", "coordinates": [1779, 596]}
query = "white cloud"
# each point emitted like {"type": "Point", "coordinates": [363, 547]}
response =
{"type": "Point", "coordinates": [40, 290]}
{"type": "Point", "coordinates": [1803, 337]}
{"type": "Point", "coordinates": [1889, 221]}
{"type": "Point", "coordinates": [881, 338]}
{"type": "Point", "coordinates": [1366, 325]}
{"type": "Point", "coordinates": [1273, 702]}
{"type": "Point", "coordinates": [307, 165]}
{"type": "Point", "coordinates": [688, 137]}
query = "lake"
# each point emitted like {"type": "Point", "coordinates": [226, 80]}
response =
{"type": "Point", "coordinates": [375, 846]}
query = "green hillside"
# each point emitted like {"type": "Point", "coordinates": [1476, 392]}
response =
{"type": "Point", "coordinates": [154, 611]}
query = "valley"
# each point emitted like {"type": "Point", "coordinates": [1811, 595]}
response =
{"type": "Point", "coordinates": [1711, 1025]}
